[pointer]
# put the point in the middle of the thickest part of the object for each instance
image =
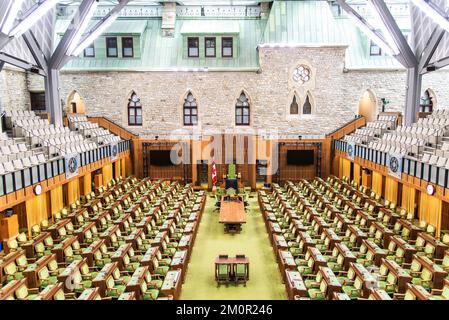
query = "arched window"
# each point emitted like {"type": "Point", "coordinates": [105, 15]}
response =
{"type": "Point", "coordinates": [294, 108]}
{"type": "Point", "coordinates": [307, 107]}
{"type": "Point", "coordinates": [134, 111]}
{"type": "Point", "coordinates": [242, 111]}
{"type": "Point", "coordinates": [190, 111]}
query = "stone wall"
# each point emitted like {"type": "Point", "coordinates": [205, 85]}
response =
{"type": "Point", "coordinates": [14, 93]}
{"type": "Point", "coordinates": [334, 93]}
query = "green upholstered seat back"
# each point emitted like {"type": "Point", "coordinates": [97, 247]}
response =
{"type": "Point", "coordinates": [231, 171]}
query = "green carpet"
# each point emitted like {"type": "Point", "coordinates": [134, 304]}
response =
{"type": "Point", "coordinates": [265, 281]}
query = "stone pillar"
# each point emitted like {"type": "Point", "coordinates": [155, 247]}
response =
{"type": "Point", "coordinates": [169, 19]}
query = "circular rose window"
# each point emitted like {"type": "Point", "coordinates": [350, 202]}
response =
{"type": "Point", "coordinates": [301, 74]}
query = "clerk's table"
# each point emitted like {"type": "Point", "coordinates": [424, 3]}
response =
{"type": "Point", "coordinates": [232, 213]}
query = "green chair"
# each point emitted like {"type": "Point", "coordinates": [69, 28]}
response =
{"type": "Point", "coordinates": [223, 273]}
{"type": "Point", "coordinates": [318, 293]}
{"type": "Point", "coordinates": [159, 269]}
{"type": "Point", "coordinates": [148, 293]}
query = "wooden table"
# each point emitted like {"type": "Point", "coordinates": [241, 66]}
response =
{"type": "Point", "coordinates": [232, 213]}
{"type": "Point", "coordinates": [231, 261]}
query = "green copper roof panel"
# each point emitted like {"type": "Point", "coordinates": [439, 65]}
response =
{"type": "Point", "coordinates": [160, 52]}
{"type": "Point", "coordinates": [305, 22]}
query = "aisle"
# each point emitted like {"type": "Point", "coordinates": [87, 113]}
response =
{"type": "Point", "coordinates": [265, 279]}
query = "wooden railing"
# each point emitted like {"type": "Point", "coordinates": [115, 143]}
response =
{"type": "Point", "coordinates": [349, 127]}
{"type": "Point", "coordinates": [113, 127]}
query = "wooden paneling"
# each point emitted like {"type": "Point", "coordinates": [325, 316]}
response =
{"type": "Point", "coordinates": [56, 199]}
{"type": "Point", "coordinates": [106, 171]}
{"type": "Point", "coordinates": [36, 209]}
{"type": "Point", "coordinates": [73, 191]}
{"type": "Point", "coordinates": [86, 184]}
{"type": "Point", "coordinates": [391, 189]}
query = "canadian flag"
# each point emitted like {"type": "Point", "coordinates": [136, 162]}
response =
{"type": "Point", "coordinates": [214, 172]}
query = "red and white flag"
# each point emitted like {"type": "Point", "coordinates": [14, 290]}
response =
{"type": "Point", "coordinates": [214, 172]}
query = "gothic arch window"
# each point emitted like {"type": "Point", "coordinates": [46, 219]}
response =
{"type": "Point", "coordinates": [190, 111]}
{"type": "Point", "coordinates": [242, 115]}
{"type": "Point", "coordinates": [294, 107]}
{"type": "Point", "coordinates": [134, 111]}
{"type": "Point", "coordinates": [307, 106]}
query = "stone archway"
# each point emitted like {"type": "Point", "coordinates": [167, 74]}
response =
{"type": "Point", "coordinates": [75, 104]}
{"type": "Point", "coordinates": [368, 105]}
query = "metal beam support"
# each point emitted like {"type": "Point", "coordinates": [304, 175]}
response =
{"type": "Point", "coordinates": [21, 64]}
{"type": "Point", "coordinates": [35, 50]}
{"type": "Point", "coordinates": [5, 5]}
{"type": "Point", "coordinates": [396, 34]}
{"type": "Point", "coordinates": [440, 63]}
{"type": "Point", "coordinates": [414, 79]}
{"type": "Point", "coordinates": [4, 40]}
{"type": "Point", "coordinates": [58, 59]}
{"type": "Point", "coordinates": [104, 22]}
{"type": "Point", "coordinates": [430, 49]}
{"type": "Point", "coordinates": [52, 96]}
{"type": "Point", "coordinates": [362, 22]}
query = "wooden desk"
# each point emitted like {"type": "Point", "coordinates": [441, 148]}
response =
{"type": "Point", "coordinates": [417, 292]}
{"type": "Point", "coordinates": [32, 273]}
{"type": "Point", "coordinates": [286, 262]}
{"type": "Point", "coordinates": [344, 255]}
{"type": "Point", "coordinates": [39, 244]}
{"type": "Point", "coordinates": [279, 242]}
{"type": "Point", "coordinates": [17, 258]}
{"type": "Point", "coordinates": [402, 277]}
{"type": "Point", "coordinates": [127, 296]}
{"type": "Point", "coordinates": [373, 251]}
{"type": "Point", "coordinates": [66, 277]}
{"type": "Point", "coordinates": [94, 252]}
{"type": "Point", "coordinates": [357, 272]}
{"type": "Point", "coordinates": [100, 281]}
{"type": "Point", "coordinates": [134, 284]}
{"type": "Point", "coordinates": [179, 262]}
{"type": "Point", "coordinates": [295, 285]}
{"type": "Point", "coordinates": [401, 248]}
{"type": "Point", "coordinates": [426, 242]}
{"type": "Point", "coordinates": [51, 291]}
{"type": "Point", "coordinates": [90, 294]}
{"type": "Point", "coordinates": [172, 284]}
{"type": "Point", "coordinates": [232, 214]}
{"type": "Point", "coordinates": [111, 235]}
{"type": "Point", "coordinates": [61, 228]}
{"type": "Point", "coordinates": [9, 290]}
{"type": "Point", "coordinates": [332, 283]}
{"type": "Point", "coordinates": [438, 274]}
{"type": "Point", "coordinates": [62, 249]}
{"type": "Point", "coordinates": [378, 294]}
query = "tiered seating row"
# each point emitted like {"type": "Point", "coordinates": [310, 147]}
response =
{"type": "Point", "coordinates": [91, 130]}
{"type": "Point", "coordinates": [130, 241]}
{"type": "Point", "coordinates": [35, 169]}
{"type": "Point", "coordinates": [334, 241]}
